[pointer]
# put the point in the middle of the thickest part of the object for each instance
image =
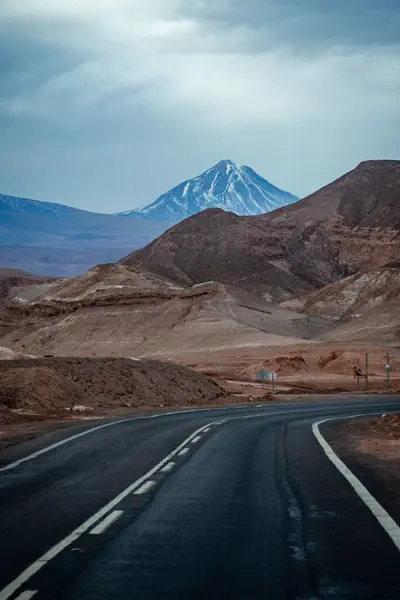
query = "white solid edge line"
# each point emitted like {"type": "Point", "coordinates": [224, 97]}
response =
{"type": "Point", "coordinates": [168, 467]}
{"type": "Point", "coordinates": [23, 577]}
{"type": "Point", "coordinates": [196, 439]}
{"type": "Point", "coordinates": [71, 438]}
{"type": "Point", "coordinates": [387, 522]}
{"type": "Point", "coordinates": [26, 595]}
{"type": "Point", "coordinates": [38, 564]}
{"type": "Point", "coordinates": [181, 453]}
{"type": "Point", "coordinates": [105, 523]}
{"type": "Point", "coordinates": [145, 487]}
{"type": "Point", "coordinates": [18, 462]}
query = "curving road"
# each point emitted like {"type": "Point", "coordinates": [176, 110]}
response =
{"type": "Point", "coordinates": [238, 503]}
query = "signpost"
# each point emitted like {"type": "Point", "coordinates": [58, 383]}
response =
{"type": "Point", "coordinates": [388, 368]}
{"type": "Point", "coordinates": [264, 375]}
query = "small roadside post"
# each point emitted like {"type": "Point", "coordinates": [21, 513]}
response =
{"type": "Point", "coordinates": [262, 375]}
{"type": "Point", "coordinates": [272, 376]}
{"type": "Point", "coordinates": [357, 374]}
{"type": "Point", "coordinates": [388, 368]}
{"type": "Point", "coordinates": [366, 370]}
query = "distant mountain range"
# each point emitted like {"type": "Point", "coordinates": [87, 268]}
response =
{"type": "Point", "coordinates": [227, 185]}
{"type": "Point", "coordinates": [65, 241]}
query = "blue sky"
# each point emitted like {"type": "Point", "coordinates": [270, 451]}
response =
{"type": "Point", "coordinates": [105, 104]}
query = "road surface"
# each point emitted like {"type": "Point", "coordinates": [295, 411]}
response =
{"type": "Point", "coordinates": [237, 503]}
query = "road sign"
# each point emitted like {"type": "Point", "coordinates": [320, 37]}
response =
{"type": "Point", "coordinates": [263, 375]}
{"type": "Point", "coordinates": [388, 367]}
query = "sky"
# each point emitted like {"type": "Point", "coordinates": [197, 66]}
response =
{"type": "Point", "coordinates": [106, 104]}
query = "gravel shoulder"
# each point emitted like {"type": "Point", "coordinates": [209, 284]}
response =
{"type": "Point", "coordinates": [371, 449]}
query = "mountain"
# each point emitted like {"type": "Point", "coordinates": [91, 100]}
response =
{"type": "Point", "coordinates": [63, 240]}
{"type": "Point", "coordinates": [229, 186]}
{"type": "Point", "coordinates": [349, 225]}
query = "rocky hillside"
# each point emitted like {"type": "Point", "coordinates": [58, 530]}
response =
{"type": "Point", "coordinates": [115, 310]}
{"type": "Point", "coordinates": [351, 224]}
{"type": "Point", "coordinates": [362, 307]}
{"type": "Point", "coordinates": [227, 185]}
{"type": "Point", "coordinates": [10, 278]}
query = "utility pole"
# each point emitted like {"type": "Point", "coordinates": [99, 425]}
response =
{"type": "Point", "coordinates": [366, 370]}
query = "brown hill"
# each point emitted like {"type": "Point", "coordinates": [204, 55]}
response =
{"type": "Point", "coordinates": [352, 223]}
{"type": "Point", "coordinates": [10, 278]}
{"type": "Point", "coordinates": [55, 385]}
{"type": "Point", "coordinates": [115, 310]}
{"type": "Point", "coordinates": [364, 306]}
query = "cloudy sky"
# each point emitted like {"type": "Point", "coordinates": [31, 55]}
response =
{"type": "Point", "coordinates": [105, 104]}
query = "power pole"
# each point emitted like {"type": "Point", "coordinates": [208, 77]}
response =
{"type": "Point", "coordinates": [366, 370]}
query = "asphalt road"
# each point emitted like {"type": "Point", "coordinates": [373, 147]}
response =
{"type": "Point", "coordinates": [249, 507]}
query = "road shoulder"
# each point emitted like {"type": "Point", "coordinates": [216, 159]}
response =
{"type": "Point", "coordinates": [370, 448]}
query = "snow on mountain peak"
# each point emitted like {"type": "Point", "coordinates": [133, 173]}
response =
{"type": "Point", "coordinates": [226, 185]}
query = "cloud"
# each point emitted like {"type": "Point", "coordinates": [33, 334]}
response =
{"type": "Point", "coordinates": [300, 90]}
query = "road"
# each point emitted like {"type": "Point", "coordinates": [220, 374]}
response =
{"type": "Point", "coordinates": [239, 503]}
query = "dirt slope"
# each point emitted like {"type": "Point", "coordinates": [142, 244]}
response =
{"type": "Point", "coordinates": [51, 386]}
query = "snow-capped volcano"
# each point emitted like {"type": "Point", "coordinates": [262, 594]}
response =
{"type": "Point", "coordinates": [227, 185]}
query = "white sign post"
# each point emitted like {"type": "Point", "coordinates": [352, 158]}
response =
{"type": "Point", "coordinates": [388, 368]}
{"type": "Point", "coordinates": [271, 375]}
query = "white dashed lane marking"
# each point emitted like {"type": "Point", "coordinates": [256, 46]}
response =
{"type": "Point", "coordinates": [196, 439]}
{"type": "Point", "coordinates": [55, 550]}
{"type": "Point", "coordinates": [26, 595]}
{"type": "Point", "coordinates": [168, 467]}
{"type": "Point", "coordinates": [145, 487]}
{"type": "Point", "coordinates": [105, 524]}
{"type": "Point", "coordinates": [183, 452]}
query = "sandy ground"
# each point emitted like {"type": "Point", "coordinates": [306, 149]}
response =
{"type": "Point", "coordinates": [315, 368]}
{"type": "Point", "coordinates": [379, 438]}
{"type": "Point", "coordinates": [371, 449]}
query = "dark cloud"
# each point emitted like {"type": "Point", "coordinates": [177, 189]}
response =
{"type": "Point", "coordinates": [27, 62]}
{"type": "Point", "coordinates": [312, 25]}
{"type": "Point", "coordinates": [106, 109]}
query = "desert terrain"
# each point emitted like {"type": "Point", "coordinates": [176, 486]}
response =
{"type": "Point", "coordinates": [309, 292]}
